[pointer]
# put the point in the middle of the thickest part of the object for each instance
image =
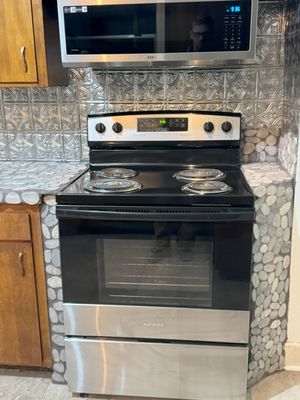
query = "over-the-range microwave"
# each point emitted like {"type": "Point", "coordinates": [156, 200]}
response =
{"type": "Point", "coordinates": [118, 33]}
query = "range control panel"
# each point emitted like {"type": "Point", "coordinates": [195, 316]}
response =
{"type": "Point", "coordinates": [164, 127]}
{"type": "Point", "coordinates": [173, 124]}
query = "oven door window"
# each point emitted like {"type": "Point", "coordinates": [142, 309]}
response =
{"type": "Point", "coordinates": [189, 264]}
{"type": "Point", "coordinates": [170, 263]}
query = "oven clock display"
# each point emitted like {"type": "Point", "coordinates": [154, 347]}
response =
{"type": "Point", "coordinates": [162, 124]}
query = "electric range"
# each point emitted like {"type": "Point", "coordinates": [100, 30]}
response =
{"type": "Point", "coordinates": [156, 247]}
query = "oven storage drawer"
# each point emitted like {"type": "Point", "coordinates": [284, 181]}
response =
{"type": "Point", "coordinates": [151, 369]}
{"type": "Point", "coordinates": [227, 326]}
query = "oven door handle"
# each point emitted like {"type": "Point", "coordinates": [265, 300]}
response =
{"type": "Point", "coordinates": [131, 213]}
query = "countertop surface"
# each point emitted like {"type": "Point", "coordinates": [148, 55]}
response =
{"type": "Point", "coordinates": [265, 173]}
{"type": "Point", "coordinates": [27, 181]}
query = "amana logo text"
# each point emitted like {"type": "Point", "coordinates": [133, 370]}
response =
{"type": "Point", "coordinates": [154, 324]}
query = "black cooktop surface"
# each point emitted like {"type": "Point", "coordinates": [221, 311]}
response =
{"type": "Point", "coordinates": [158, 186]}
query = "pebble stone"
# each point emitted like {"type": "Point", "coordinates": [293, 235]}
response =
{"type": "Point", "coordinates": [284, 209]}
{"type": "Point", "coordinates": [249, 148]}
{"type": "Point", "coordinates": [12, 198]}
{"type": "Point", "coordinates": [271, 140]}
{"type": "Point", "coordinates": [55, 355]}
{"type": "Point", "coordinates": [30, 198]}
{"type": "Point", "coordinates": [260, 191]}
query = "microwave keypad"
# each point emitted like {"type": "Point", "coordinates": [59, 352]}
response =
{"type": "Point", "coordinates": [232, 32]}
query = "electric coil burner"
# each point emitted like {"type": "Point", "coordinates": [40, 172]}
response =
{"type": "Point", "coordinates": [120, 173]}
{"type": "Point", "coordinates": [156, 244]}
{"type": "Point", "coordinates": [199, 174]}
{"type": "Point", "coordinates": [208, 187]}
{"type": "Point", "coordinates": [112, 186]}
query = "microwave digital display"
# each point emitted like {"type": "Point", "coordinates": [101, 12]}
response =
{"type": "Point", "coordinates": [234, 10]}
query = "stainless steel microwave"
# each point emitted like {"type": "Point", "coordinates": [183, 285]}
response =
{"type": "Point", "coordinates": [118, 33]}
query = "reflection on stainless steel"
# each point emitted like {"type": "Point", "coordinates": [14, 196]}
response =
{"type": "Point", "coordinates": [180, 323]}
{"type": "Point", "coordinates": [199, 174]}
{"type": "Point", "coordinates": [165, 370]}
{"type": "Point", "coordinates": [206, 187]}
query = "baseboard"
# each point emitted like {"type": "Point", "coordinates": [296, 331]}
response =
{"type": "Point", "coordinates": [292, 356]}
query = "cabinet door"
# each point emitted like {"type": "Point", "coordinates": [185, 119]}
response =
{"type": "Point", "coordinates": [17, 51]}
{"type": "Point", "coordinates": [20, 342]}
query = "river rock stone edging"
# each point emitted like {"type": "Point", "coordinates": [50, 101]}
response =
{"type": "Point", "coordinates": [54, 287]}
{"type": "Point", "coordinates": [273, 189]}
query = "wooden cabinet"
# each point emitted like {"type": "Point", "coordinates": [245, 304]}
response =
{"type": "Point", "coordinates": [24, 329]}
{"type": "Point", "coordinates": [29, 45]}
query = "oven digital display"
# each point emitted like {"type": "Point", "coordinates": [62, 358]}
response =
{"type": "Point", "coordinates": [162, 124]}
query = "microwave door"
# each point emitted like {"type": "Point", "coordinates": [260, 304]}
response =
{"type": "Point", "coordinates": [111, 29]}
{"type": "Point", "coordinates": [165, 32]}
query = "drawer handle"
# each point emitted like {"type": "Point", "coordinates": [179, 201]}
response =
{"type": "Point", "coordinates": [21, 264]}
{"type": "Point", "coordinates": [23, 55]}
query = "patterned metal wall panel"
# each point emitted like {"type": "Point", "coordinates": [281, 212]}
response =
{"type": "Point", "coordinates": [21, 146]}
{"type": "Point", "coordinates": [59, 112]}
{"type": "Point", "coordinates": [270, 18]}
{"type": "Point", "coordinates": [49, 146]}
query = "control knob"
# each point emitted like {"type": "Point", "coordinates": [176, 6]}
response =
{"type": "Point", "coordinates": [117, 127]}
{"type": "Point", "coordinates": [100, 128]}
{"type": "Point", "coordinates": [226, 126]}
{"type": "Point", "coordinates": [208, 127]}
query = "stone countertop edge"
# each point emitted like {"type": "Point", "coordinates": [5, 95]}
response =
{"type": "Point", "coordinates": [28, 182]}
{"type": "Point", "coordinates": [264, 174]}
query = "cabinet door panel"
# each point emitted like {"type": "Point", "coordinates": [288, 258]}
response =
{"type": "Point", "coordinates": [17, 52]}
{"type": "Point", "coordinates": [20, 342]}
{"type": "Point", "coordinates": [14, 226]}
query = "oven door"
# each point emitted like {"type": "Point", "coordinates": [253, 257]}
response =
{"type": "Point", "coordinates": [172, 257]}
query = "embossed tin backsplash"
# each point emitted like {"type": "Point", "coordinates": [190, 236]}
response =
{"type": "Point", "coordinates": [50, 124]}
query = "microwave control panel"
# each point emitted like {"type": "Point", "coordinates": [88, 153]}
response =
{"type": "Point", "coordinates": [233, 23]}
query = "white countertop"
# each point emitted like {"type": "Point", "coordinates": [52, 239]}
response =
{"type": "Point", "coordinates": [27, 181]}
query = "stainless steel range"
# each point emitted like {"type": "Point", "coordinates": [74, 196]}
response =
{"type": "Point", "coordinates": [156, 242]}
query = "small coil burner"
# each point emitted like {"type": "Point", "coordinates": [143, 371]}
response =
{"type": "Point", "coordinates": [207, 187]}
{"type": "Point", "coordinates": [118, 173]}
{"type": "Point", "coordinates": [113, 186]}
{"type": "Point", "coordinates": [199, 174]}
